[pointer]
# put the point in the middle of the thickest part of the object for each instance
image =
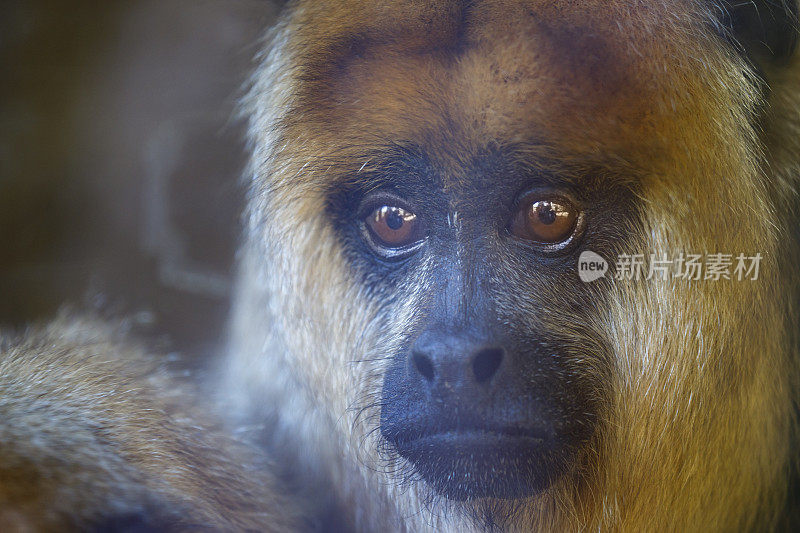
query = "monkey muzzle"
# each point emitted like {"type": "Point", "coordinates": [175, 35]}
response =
{"type": "Point", "coordinates": [482, 419]}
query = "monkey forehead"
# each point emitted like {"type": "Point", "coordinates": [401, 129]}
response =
{"type": "Point", "coordinates": [584, 77]}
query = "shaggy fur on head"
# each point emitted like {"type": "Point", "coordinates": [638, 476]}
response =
{"type": "Point", "coordinates": [697, 408]}
{"type": "Point", "coordinates": [96, 436]}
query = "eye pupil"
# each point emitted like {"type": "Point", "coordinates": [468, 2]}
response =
{"type": "Point", "coordinates": [545, 212]}
{"type": "Point", "coordinates": [393, 220]}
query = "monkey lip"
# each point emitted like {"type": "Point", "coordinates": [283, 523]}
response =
{"type": "Point", "coordinates": [476, 435]}
{"type": "Point", "coordinates": [481, 463]}
{"type": "Point", "coordinates": [472, 442]}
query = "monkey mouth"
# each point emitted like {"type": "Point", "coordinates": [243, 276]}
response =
{"type": "Point", "coordinates": [473, 433]}
{"type": "Point", "coordinates": [464, 464]}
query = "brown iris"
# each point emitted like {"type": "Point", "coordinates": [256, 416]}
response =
{"type": "Point", "coordinates": [393, 227]}
{"type": "Point", "coordinates": [547, 221]}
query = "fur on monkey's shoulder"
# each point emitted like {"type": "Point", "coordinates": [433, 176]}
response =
{"type": "Point", "coordinates": [96, 435]}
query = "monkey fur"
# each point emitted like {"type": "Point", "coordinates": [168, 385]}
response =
{"type": "Point", "coordinates": [97, 436]}
{"type": "Point", "coordinates": [676, 122]}
{"type": "Point", "coordinates": [671, 127]}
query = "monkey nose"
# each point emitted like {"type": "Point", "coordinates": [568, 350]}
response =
{"type": "Point", "coordinates": [451, 361]}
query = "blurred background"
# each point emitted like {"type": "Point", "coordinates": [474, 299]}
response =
{"type": "Point", "coordinates": [120, 159]}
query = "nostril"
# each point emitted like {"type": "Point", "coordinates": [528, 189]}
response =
{"type": "Point", "coordinates": [423, 365]}
{"type": "Point", "coordinates": [486, 363]}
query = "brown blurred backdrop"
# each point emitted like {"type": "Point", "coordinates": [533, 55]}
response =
{"type": "Point", "coordinates": [120, 158]}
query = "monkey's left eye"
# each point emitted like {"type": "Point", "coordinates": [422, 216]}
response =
{"type": "Point", "coordinates": [550, 223]}
{"type": "Point", "coordinates": [393, 230]}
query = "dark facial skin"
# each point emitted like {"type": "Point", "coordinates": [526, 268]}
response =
{"type": "Point", "coordinates": [499, 380]}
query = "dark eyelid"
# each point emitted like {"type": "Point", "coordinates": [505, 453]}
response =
{"type": "Point", "coordinates": [545, 194]}
{"type": "Point", "coordinates": [376, 200]}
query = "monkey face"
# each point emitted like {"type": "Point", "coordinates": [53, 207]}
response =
{"type": "Point", "coordinates": [467, 171]}
{"type": "Point", "coordinates": [427, 176]}
{"type": "Point", "coordinates": [484, 401]}
{"type": "Point", "coordinates": [496, 379]}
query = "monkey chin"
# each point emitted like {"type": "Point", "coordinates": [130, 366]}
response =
{"type": "Point", "coordinates": [475, 464]}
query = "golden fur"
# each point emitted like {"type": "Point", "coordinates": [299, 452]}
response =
{"type": "Point", "coordinates": [95, 435]}
{"type": "Point", "coordinates": [697, 431]}
{"type": "Point", "coordinates": [697, 422]}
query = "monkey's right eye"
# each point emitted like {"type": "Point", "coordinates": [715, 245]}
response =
{"type": "Point", "coordinates": [393, 231]}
